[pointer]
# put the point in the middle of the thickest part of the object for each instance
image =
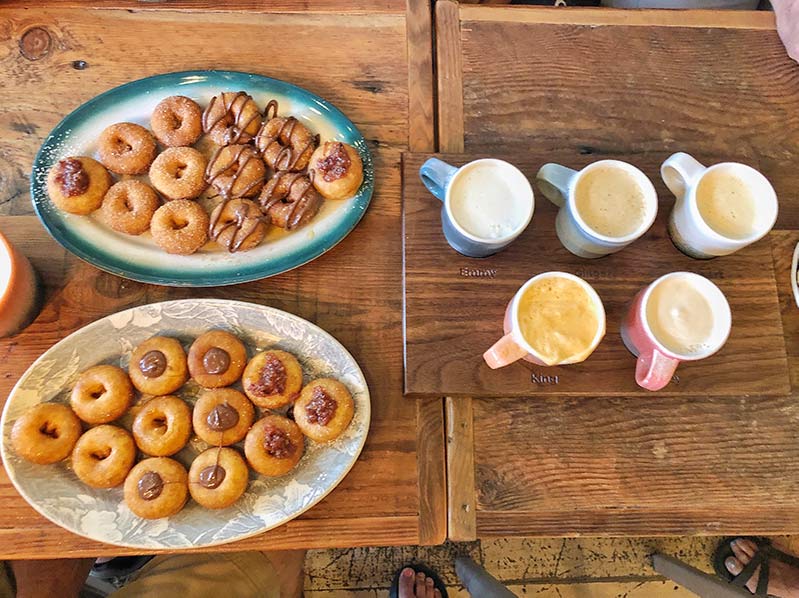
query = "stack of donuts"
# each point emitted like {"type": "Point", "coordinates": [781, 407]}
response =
{"type": "Point", "coordinates": [262, 170]}
{"type": "Point", "coordinates": [105, 455]}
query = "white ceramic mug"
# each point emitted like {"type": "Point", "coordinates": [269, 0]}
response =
{"type": "Point", "coordinates": [690, 230]}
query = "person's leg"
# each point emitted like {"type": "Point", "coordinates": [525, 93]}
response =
{"type": "Point", "coordinates": [290, 568]}
{"type": "Point", "coordinates": [416, 585]}
{"type": "Point", "coordinates": [783, 579]}
{"type": "Point", "coordinates": [59, 577]}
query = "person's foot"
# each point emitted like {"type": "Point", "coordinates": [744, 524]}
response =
{"type": "Point", "coordinates": [416, 585]}
{"type": "Point", "coordinates": [783, 580]}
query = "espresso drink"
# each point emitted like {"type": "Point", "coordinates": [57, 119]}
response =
{"type": "Point", "coordinates": [610, 201]}
{"type": "Point", "coordinates": [558, 318]}
{"type": "Point", "coordinates": [727, 204]}
{"type": "Point", "coordinates": [680, 317]}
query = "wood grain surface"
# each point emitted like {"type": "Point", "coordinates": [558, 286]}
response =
{"type": "Point", "coordinates": [258, 6]}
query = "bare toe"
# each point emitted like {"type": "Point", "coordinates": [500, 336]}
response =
{"type": "Point", "coordinates": [429, 589]}
{"type": "Point", "coordinates": [436, 593]}
{"type": "Point", "coordinates": [733, 565]}
{"type": "Point", "coordinates": [747, 546]}
{"type": "Point", "coordinates": [740, 553]}
{"type": "Point", "coordinates": [420, 577]}
{"type": "Point", "coordinates": [406, 583]}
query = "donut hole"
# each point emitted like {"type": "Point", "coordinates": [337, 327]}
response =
{"type": "Point", "coordinates": [160, 425]}
{"type": "Point", "coordinates": [121, 146]}
{"type": "Point", "coordinates": [50, 430]}
{"type": "Point", "coordinates": [97, 393]}
{"type": "Point", "coordinates": [180, 169]}
{"type": "Point", "coordinates": [101, 454]}
{"type": "Point", "coordinates": [178, 223]}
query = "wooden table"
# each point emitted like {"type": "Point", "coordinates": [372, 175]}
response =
{"type": "Point", "coordinates": [374, 63]}
{"type": "Point", "coordinates": [637, 85]}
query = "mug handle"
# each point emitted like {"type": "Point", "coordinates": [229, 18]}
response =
{"type": "Point", "coordinates": [504, 352]}
{"type": "Point", "coordinates": [679, 171]}
{"type": "Point", "coordinates": [436, 176]}
{"type": "Point", "coordinates": [653, 370]}
{"type": "Point", "coordinates": [553, 180]}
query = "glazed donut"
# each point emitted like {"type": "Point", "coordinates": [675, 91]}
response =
{"type": "Point", "coordinates": [177, 121]}
{"type": "Point", "coordinates": [178, 173]}
{"type": "Point", "coordinates": [218, 477]}
{"type": "Point", "coordinates": [324, 409]}
{"type": "Point", "coordinates": [274, 445]}
{"type": "Point", "coordinates": [222, 416]}
{"type": "Point", "coordinates": [129, 206]}
{"type": "Point", "coordinates": [162, 427]}
{"type": "Point", "coordinates": [236, 171]}
{"type": "Point", "coordinates": [285, 143]}
{"type": "Point", "coordinates": [156, 487]}
{"type": "Point", "coordinates": [102, 394]}
{"type": "Point", "coordinates": [180, 227]}
{"type": "Point", "coordinates": [158, 366]}
{"type": "Point", "coordinates": [126, 148]}
{"type": "Point", "coordinates": [217, 358]}
{"type": "Point", "coordinates": [103, 456]}
{"type": "Point", "coordinates": [237, 225]}
{"type": "Point", "coordinates": [290, 200]}
{"type": "Point", "coordinates": [272, 379]}
{"type": "Point", "coordinates": [78, 185]}
{"type": "Point", "coordinates": [336, 170]}
{"type": "Point", "coordinates": [46, 433]}
{"type": "Point", "coordinates": [231, 117]}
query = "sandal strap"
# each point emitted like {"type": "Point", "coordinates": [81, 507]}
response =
{"type": "Point", "coordinates": [762, 579]}
{"type": "Point", "coordinates": [781, 556]}
{"type": "Point", "coordinates": [748, 571]}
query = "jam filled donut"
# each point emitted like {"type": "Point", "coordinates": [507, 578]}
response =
{"type": "Point", "coordinates": [218, 477]}
{"type": "Point", "coordinates": [179, 173]}
{"type": "Point", "coordinates": [180, 227]}
{"type": "Point", "coordinates": [231, 117]}
{"type": "Point", "coordinates": [274, 445]}
{"type": "Point", "coordinates": [126, 148]}
{"type": "Point", "coordinates": [177, 121]}
{"type": "Point", "coordinates": [78, 185]}
{"type": "Point", "coordinates": [217, 358]}
{"type": "Point", "coordinates": [238, 225]}
{"type": "Point", "coordinates": [222, 416]}
{"type": "Point", "coordinates": [103, 456]}
{"type": "Point", "coordinates": [158, 366]}
{"type": "Point", "coordinates": [156, 488]}
{"type": "Point", "coordinates": [162, 427]}
{"type": "Point", "coordinates": [324, 409]}
{"type": "Point", "coordinates": [102, 394]}
{"type": "Point", "coordinates": [272, 379]}
{"type": "Point", "coordinates": [45, 433]}
{"type": "Point", "coordinates": [290, 200]}
{"type": "Point", "coordinates": [129, 206]}
{"type": "Point", "coordinates": [236, 171]}
{"type": "Point", "coordinates": [285, 143]}
{"type": "Point", "coordinates": [337, 170]}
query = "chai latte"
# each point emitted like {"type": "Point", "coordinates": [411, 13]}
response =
{"type": "Point", "coordinates": [680, 316]}
{"type": "Point", "coordinates": [727, 204]}
{"type": "Point", "coordinates": [610, 201]}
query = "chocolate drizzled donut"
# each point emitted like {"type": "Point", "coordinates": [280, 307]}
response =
{"type": "Point", "coordinates": [284, 142]}
{"type": "Point", "coordinates": [290, 200]}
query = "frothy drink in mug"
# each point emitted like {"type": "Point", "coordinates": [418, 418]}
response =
{"type": "Point", "coordinates": [680, 316]}
{"type": "Point", "coordinates": [610, 201]}
{"type": "Point", "coordinates": [727, 204]}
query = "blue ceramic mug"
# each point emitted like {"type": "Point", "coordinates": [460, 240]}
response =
{"type": "Point", "coordinates": [487, 203]}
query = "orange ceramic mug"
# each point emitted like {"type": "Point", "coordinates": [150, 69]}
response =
{"type": "Point", "coordinates": [19, 290]}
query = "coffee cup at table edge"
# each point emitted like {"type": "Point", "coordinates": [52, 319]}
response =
{"type": "Point", "coordinates": [20, 294]}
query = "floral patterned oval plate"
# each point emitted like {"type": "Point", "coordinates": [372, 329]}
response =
{"type": "Point", "coordinates": [55, 491]}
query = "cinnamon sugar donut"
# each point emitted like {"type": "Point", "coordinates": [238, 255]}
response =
{"type": "Point", "coordinates": [158, 366]}
{"type": "Point", "coordinates": [163, 425]}
{"type": "Point", "coordinates": [45, 433]}
{"type": "Point", "coordinates": [285, 143]}
{"type": "Point", "coordinates": [178, 173]}
{"type": "Point", "coordinates": [217, 358]}
{"type": "Point", "coordinates": [78, 184]}
{"type": "Point", "coordinates": [290, 200]}
{"type": "Point", "coordinates": [272, 379]}
{"type": "Point", "coordinates": [218, 477]}
{"type": "Point", "coordinates": [177, 121]}
{"type": "Point", "coordinates": [103, 456]}
{"type": "Point", "coordinates": [324, 409]}
{"type": "Point", "coordinates": [129, 206]}
{"type": "Point", "coordinates": [222, 416]}
{"type": "Point", "coordinates": [337, 170]}
{"type": "Point", "coordinates": [157, 487]}
{"type": "Point", "coordinates": [274, 445]}
{"type": "Point", "coordinates": [126, 148]}
{"type": "Point", "coordinates": [102, 394]}
{"type": "Point", "coordinates": [238, 225]}
{"type": "Point", "coordinates": [236, 171]}
{"type": "Point", "coordinates": [231, 117]}
{"type": "Point", "coordinates": [180, 227]}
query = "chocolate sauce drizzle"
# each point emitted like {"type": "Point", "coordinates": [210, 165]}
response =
{"type": "Point", "coordinates": [304, 202]}
{"type": "Point", "coordinates": [288, 157]}
{"type": "Point", "coordinates": [243, 222]}
{"type": "Point", "coordinates": [233, 110]}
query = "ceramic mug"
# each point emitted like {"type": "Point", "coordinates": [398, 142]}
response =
{"type": "Point", "coordinates": [566, 188]}
{"type": "Point", "coordinates": [487, 203]}
{"type": "Point", "coordinates": [704, 223]}
{"type": "Point", "coordinates": [20, 292]}
{"type": "Point", "coordinates": [661, 331]}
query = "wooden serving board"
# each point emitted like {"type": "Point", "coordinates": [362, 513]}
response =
{"type": "Point", "coordinates": [454, 305]}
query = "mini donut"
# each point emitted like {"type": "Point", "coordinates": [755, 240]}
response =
{"type": "Point", "coordinates": [238, 225]}
{"type": "Point", "coordinates": [178, 173]}
{"type": "Point", "coordinates": [336, 170]}
{"type": "Point", "coordinates": [129, 206]}
{"type": "Point", "coordinates": [272, 379]}
{"type": "Point", "coordinates": [290, 200]}
{"type": "Point", "coordinates": [158, 366]}
{"type": "Point", "coordinates": [218, 477]}
{"type": "Point", "coordinates": [126, 148]}
{"type": "Point", "coordinates": [78, 185]}
{"type": "Point", "coordinates": [217, 358]}
{"type": "Point", "coordinates": [222, 416]}
{"type": "Point", "coordinates": [46, 433]}
{"type": "Point", "coordinates": [180, 227]}
{"type": "Point", "coordinates": [103, 456]}
{"type": "Point", "coordinates": [162, 427]}
{"type": "Point", "coordinates": [236, 171]}
{"type": "Point", "coordinates": [324, 409]}
{"type": "Point", "coordinates": [274, 445]}
{"type": "Point", "coordinates": [284, 142]}
{"type": "Point", "coordinates": [177, 121]}
{"type": "Point", "coordinates": [102, 394]}
{"type": "Point", "coordinates": [231, 117]}
{"type": "Point", "coordinates": [157, 487]}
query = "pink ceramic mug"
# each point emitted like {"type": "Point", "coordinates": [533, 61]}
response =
{"type": "Point", "coordinates": [657, 362]}
{"type": "Point", "coordinates": [19, 290]}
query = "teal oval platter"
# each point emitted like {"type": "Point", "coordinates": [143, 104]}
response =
{"type": "Point", "coordinates": [138, 257]}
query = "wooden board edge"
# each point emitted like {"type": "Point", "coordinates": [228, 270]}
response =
{"type": "Point", "coordinates": [421, 109]}
{"type": "Point", "coordinates": [341, 7]}
{"type": "Point", "coordinates": [449, 73]}
{"type": "Point", "coordinates": [431, 465]}
{"type": "Point", "coordinates": [461, 489]}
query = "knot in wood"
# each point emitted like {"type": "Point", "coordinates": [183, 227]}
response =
{"type": "Point", "coordinates": [35, 43]}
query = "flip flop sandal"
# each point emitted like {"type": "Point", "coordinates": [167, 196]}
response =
{"type": "Point", "coordinates": [418, 568]}
{"type": "Point", "coordinates": [765, 552]}
{"type": "Point", "coordinates": [119, 567]}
